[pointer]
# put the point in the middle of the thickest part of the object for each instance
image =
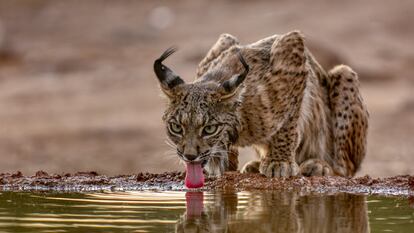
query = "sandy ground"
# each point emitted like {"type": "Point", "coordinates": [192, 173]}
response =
{"type": "Point", "coordinates": [77, 90]}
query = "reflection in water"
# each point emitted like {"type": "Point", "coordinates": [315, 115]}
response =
{"type": "Point", "coordinates": [275, 212]}
{"type": "Point", "coordinates": [94, 212]}
{"type": "Point", "coordinates": [263, 211]}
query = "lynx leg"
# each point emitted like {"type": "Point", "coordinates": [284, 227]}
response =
{"type": "Point", "coordinates": [224, 42]}
{"type": "Point", "coordinates": [350, 121]}
{"type": "Point", "coordinates": [216, 166]}
{"type": "Point", "coordinates": [279, 161]}
{"type": "Point", "coordinates": [315, 167]}
{"type": "Point", "coordinates": [288, 80]}
{"type": "Point", "coordinates": [251, 167]}
{"type": "Point", "coordinates": [254, 165]}
{"type": "Point", "coordinates": [233, 155]}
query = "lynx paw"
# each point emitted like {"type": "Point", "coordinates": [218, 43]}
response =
{"type": "Point", "coordinates": [315, 167]}
{"type": "Point", "coordinates": [251, 167]}
{"type": "Point", "coordinates": [272, 168]}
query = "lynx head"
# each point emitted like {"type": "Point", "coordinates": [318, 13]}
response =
{"type": "Point", "coordinates": [202, 118]}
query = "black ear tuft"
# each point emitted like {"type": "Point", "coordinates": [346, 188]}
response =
{"type": "Point", "coordinates": [165, 75]}
{"type": "Point", "coordinates": [231, 85]}
{"type": "Point", "coordinates": [167, 53]}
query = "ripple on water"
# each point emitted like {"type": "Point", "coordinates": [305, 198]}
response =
{"type": "Point", "coordinates": [170, 211]}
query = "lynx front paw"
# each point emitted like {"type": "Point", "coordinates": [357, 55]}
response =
{"type": "Point", "coordinates": [315, 167]}
{"type": "Point", "coordinates": [251, 167]}
{"type": "Point", "coordinates": [273, 168]}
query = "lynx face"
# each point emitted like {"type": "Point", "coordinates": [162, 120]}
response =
{"type": "Point", "coordinates": [200, 126]}
{"type": "Point", "coordinates": [201, 118]}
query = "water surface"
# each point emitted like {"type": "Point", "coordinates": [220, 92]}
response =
{"type": "Point", "coordinates": [202, 212]}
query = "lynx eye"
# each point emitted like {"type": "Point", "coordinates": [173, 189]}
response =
{"type": "Point", "coordinates": [209, 129]}
{"type": "Point", "coordinates": [175, 128]}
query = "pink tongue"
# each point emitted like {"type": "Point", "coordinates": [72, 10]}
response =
{"type": "Point", "coordinates": [194, 204]}
{"type": "Point", "coordinates": [194, 177]}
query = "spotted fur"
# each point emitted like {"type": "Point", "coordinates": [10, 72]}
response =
{"type": "Point", "coordinates": [299, 118]}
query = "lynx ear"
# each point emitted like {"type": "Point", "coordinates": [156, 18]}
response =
{"type": "Point", "coordinates": [229, 87]}
{"type": "Point", "coordinates": [167, 78]}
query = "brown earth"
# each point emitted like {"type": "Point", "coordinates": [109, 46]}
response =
{"type": "Point", "coordinates": [77, 90]}
{"type": "Point", "coordinates": [92, 181]}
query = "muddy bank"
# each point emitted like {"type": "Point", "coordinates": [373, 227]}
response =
{"type": "Point", "coordinates": [92, 181]}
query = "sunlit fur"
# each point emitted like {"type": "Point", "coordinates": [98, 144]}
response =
{"type": "Point", "coordinates": [298, 117]}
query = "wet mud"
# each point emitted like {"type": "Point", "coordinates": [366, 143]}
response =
{"type": "Point", "coordinates": [92, 181]}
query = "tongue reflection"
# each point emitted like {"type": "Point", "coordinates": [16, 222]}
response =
{"type": "Point", "coordinates": [194, 177]}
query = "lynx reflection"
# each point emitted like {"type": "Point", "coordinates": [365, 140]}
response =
{"type": "Point", "coordinates": [275, 212]}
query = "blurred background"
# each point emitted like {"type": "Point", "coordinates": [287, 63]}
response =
{"type": "Point", "coordinates": [77, 90]}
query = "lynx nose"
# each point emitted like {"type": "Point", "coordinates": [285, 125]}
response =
{"type": "Point", "coordinates": [190, 157]}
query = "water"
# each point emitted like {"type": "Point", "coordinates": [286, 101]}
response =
{"type": "Point", "coordinates": [203, 212]}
